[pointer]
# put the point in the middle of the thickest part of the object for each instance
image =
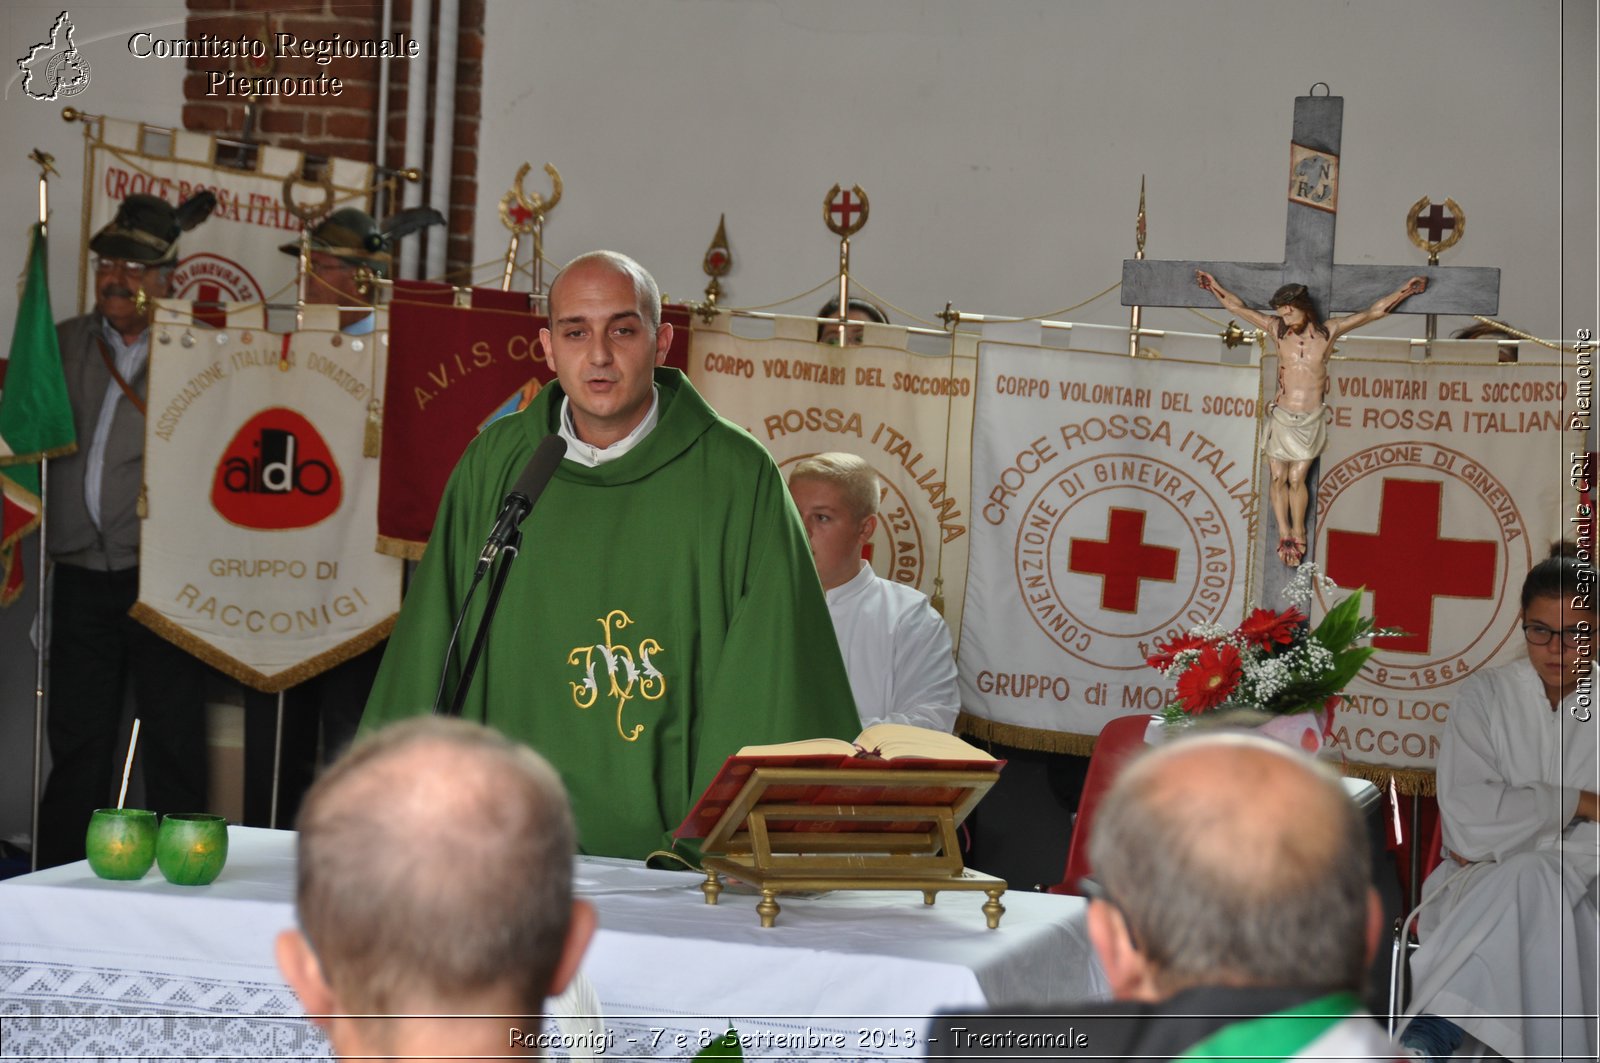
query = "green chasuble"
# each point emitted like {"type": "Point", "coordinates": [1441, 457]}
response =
{"type": "Point", "coordinates": [664, 612]}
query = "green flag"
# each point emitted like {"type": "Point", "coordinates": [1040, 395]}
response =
{"type": "Point", "coordinates": [35, 416]}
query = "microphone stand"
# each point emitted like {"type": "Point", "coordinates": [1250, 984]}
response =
{"type": "Point", "coordinates": [508, 554]}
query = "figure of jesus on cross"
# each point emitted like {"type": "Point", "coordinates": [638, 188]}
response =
{"type": "Point", "coordinates": [1297, 419]}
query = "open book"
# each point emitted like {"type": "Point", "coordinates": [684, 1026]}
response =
{"type": "Point", "coordinates": [884, 741]}
{"type": "Point", "coordinates": [883, 745]}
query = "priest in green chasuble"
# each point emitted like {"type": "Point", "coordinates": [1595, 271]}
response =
{"type": "Point", "coordinates": [665, 610]}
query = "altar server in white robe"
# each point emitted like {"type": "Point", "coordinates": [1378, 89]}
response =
{"type": "Point", "coordinates": [1509, 927]}
{"type": "Point", "coordinates": [896, 646]}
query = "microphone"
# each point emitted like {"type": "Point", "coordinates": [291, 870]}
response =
{"type": "Point", "coordinates": [523, 494]}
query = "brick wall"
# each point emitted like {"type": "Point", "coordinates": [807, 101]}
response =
{"type": "Point", "coordinates": [346, 124]}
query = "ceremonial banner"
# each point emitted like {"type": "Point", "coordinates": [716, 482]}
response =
{"type": "Point", "coordinates": [234, 256]}
{"type": "Point", "coordinates": [256, 547]}
{"type": "Point", "coordinates": [1441, 486]}
{"type": "Point", "coordinates": [452, 369]}
{"type": "Point", "coordinates": [35, 415]}
{"type": "Point", "coordinates": [908, 415]}
{"type": "Point", "coordinates": [1114, 507]}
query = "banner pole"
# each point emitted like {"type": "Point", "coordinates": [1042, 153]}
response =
{"type": "Point", "coordinates": [1136, 317]}
{"type": "Point", "coordinates": [45, 169]}
{"type": "Point", "coordinates": [277, 764]}
{"type": "Point", "coordinates": [38, 667]}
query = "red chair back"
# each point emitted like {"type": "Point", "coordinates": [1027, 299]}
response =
{"type": "Point", "coordinates": [1118, 741]}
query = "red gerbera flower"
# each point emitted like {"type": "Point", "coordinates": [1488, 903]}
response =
{"type": "Point", "coordinates": [1210, 679]}
{"type": "Point", "coordinates": [1266, 628]}
{"type": "Point", "coordinates": [1166, 653]}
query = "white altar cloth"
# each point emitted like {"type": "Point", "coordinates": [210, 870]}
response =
{"type": "Point", "coordinates": [129, 969]}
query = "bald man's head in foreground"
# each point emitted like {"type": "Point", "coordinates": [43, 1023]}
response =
{"type": "Point", "coordinates": [1230, 860]}
{"type": "Point", "coordinates": [434, 876]}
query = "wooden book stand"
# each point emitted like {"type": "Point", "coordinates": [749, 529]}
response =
{"type": "Point", "coordinates": [856, 828]}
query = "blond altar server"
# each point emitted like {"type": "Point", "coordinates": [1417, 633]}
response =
{"type": "Point", "coordinates": [896, 647]}
{"type": "Point", "coordinates": [1510, 928]}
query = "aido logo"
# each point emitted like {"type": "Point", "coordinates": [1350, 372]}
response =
{"type": "Point", "coordinates": [277, 473]}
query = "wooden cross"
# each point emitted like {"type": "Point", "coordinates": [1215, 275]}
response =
{"type": "Point", "coordinates": [1308, 247]}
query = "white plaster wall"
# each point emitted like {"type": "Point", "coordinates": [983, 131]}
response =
{"type": "Point", "coordinates": [1002, 142]}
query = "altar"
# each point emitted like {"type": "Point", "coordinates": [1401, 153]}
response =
{"type": "Point", "coordinates": [90, 967]}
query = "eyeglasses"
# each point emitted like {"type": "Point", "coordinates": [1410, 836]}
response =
{"type": "Point", "coordinates": [1094, 890]}
{"type": "Point", "coordinates": [131, 270]}
{"type": "Point", "coordinates": [1571, 637]}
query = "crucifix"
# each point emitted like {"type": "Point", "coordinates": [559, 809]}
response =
{"type": "Point", "coordinates": [1313, 195]}
{"type": "Point", "coordinates": [1308, 246]}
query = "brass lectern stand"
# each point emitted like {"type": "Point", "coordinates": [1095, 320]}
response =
{"type": "Point", "coordinates": [847, 835]}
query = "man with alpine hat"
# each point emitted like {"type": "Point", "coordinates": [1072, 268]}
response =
{"type": "Point", "coordinates": [95, 647]}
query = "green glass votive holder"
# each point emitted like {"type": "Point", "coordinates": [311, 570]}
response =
{"type": "Point", "coordinates": [192, 847]}
{"type": "Point", "coordinates": [121, 842]}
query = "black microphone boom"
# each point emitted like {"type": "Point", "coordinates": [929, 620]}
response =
{"type": "Point", "coordinates": [523, 494]}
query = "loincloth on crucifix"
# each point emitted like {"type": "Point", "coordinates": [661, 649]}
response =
{"type": "Point", "coordinates": [1293, 436]}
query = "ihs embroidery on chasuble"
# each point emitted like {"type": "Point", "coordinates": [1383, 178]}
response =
{"type": "Point", "coordinates": [629, 671]}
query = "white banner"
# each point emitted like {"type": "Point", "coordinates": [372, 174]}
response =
{"type": "Point", "coordinates": [233, 256]}
{"type": "Point", "coordinates": [1113, 506]}
{"type": "Point", "coordinates": [1442, 484]}
{"type": "Point", "coordinates": [908, 415]}
{"type": "Point", "coordinates": [261, 510]}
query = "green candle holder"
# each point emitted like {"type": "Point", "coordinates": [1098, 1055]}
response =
{"type": "Point", "coordinates": [121, 842]}
{"type": "Point", "coordinates": [192, 847]}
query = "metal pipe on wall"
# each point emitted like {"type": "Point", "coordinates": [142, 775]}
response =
{"type": "Point", "coordinates": [380, 139]}
{"type": "Point", "coordinates": [441, 173]}
{"type": "Point", "coordinates": [416, 120]}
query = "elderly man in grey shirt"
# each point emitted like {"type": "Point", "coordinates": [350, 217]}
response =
{"type": "Point", "coordinates": [95, 647]}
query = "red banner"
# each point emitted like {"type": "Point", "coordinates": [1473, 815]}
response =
{"type": "Point", "coordinates": [451, 370]}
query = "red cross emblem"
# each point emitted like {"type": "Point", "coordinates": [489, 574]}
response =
{"type": "Point", "coordinates": [1433, 226]}
{"type": "Point", "coordinates": [1122, 559]}
{"type": "Point", "coordinates": [839, 210]}
{"type": "Point", "coordinates": [1436, 222]}
{"type": "Point", "coordinates": [1406, 564]}
{"type": "Point", "coordinates": [208, 310]}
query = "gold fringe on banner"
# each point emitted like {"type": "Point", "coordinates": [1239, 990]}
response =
{"type": "Point", "coordinates": [233, 667]}
{"type": "Point", "coordinates": [1019, 737]}
{"type": "Point", "coordinates": [1412, 782]}
{"type": "Point", "coordinates": [1408, 781]}
{"type": "Point", "coordinates": [408, 549]}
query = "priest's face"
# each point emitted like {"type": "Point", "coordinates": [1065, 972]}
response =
{"type": "Point", "coordinates": [1561, 661]}
{"type": "Point", "coordinates": [603, 350]}
{"type": "Point", "coordinates": [837, 535]}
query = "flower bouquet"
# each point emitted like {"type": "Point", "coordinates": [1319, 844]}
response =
{"type": "Point", "coordinates": [1273, 663]}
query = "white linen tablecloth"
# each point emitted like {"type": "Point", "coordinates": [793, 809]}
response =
{"type": "Point", "coordinates": [130, 969]}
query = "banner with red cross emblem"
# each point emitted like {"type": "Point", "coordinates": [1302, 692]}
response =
{"type": "Point", "coordinates": [234, 256]}
{"type": "Point", "coordinates": [1441, 485]}
{"type": "Point", "coordinates": [1113, 502]}
{"type": "Point", "coordinates": [907, 415]}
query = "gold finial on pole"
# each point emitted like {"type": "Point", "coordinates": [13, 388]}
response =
{"type": "Point", "coordinates": [47, 169]}
{"type": "Point", "coordinates": [1136, 316]}
{"type": "Point", "coordinates": [839, 214]}
{"type": "Point", "coordinates": [309, 214]}
{"type": "Point", "coordinates": [1440, 220]}
{"type": "Point", "coordinates": [718, 261]}
{"type": "Point", "coordinates": [260, 63]}
{"type": "Point", "coordinates": [538, 207]}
